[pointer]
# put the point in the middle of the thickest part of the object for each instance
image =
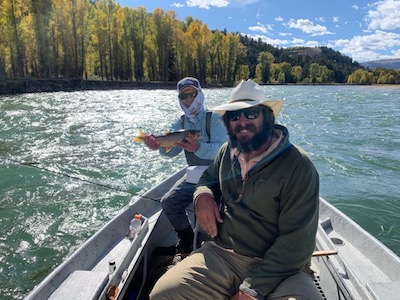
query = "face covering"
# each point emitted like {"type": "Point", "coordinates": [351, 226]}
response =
{"type": "Point", "coordinates": [192, 111]}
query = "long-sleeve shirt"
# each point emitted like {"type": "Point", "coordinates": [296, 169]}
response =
{"type": "Point", "coordinates": [272, 214]}
{"type": "Point", "coordinates": [208, 147]}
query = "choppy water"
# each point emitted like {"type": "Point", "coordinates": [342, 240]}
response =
{"type": "Point", "coordinates": [68, 163]}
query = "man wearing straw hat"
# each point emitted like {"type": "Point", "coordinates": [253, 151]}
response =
{"type": "Point", "coordinates": [258, 202]}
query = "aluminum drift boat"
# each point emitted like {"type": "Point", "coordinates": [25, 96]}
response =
{"type": "Point", "coordinates": [363, 267]}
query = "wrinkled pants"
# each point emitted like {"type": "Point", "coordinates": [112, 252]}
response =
{"type": "Point", "coordinates": [212, 272]}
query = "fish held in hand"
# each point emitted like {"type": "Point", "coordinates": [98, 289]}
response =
{"type": "Point", "coordinates": [169, 139]}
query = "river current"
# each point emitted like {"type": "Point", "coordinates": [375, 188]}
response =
{"type": "Point", "coordinates": [68, 163]}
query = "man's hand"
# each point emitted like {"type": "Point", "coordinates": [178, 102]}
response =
{"type": "Point", "coordinates": [151, 142]}
{"type": "Point", "coordinates": [207, 214]}
{"type": "Point", "coordinates": [189, 144]}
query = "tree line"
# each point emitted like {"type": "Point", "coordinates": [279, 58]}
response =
{"type": "Point", "coordinates": [377, 76]}
{"type": "Point", "coordinates": [100, 40]}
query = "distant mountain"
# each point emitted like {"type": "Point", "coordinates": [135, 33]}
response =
{"type": "Point", "coordinates": [382, 63]}
{"type": "Point", "coordinates": [340, 64]}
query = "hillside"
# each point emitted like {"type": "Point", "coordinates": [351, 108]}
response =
{"type": "Point", "coordinates": [340, 64]}
{"type": "Point", "coordinates": [383, 63]}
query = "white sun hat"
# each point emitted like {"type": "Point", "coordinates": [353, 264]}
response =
{"type": "Point", "coordinates": [247, 94]}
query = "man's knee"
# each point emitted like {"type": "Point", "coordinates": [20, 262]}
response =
{"type": "Point", "coordinates": [162, 290]}
{"type": "Point", "coordinates": [296, 287]}
{"type": "Point", "coordinates": [168, 288]}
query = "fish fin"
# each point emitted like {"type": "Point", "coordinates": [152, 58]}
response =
{"type": "Point", "coordinates": [140, 137]}
{"type": "Point", "coordinates": [167, 149]}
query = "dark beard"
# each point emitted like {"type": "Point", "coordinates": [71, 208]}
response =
{"type": "Point", "coordinates": [251, 144]}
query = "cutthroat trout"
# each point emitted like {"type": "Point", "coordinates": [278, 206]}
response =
{"type": "Point", "coordinates": [169, 139]}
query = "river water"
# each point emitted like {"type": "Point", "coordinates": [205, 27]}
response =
{"type": "Point", "coordinates": [68, 163]}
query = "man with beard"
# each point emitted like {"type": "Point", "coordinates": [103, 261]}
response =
{"type": "Point", "coordinates": [258, 202]}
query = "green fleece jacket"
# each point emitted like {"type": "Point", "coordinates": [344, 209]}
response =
{"type": "Point", "coordinates": [272, 214]}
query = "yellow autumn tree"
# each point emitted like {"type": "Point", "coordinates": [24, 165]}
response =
{"type": "Point", "coordinates": [14, 17]}
{"type": "Point", "coordinates": [164, 24]}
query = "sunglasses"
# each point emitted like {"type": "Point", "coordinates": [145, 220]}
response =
{"type": "Point", "coordinates": [249, 113]}
{"type": "Point", "coordinates": [185, 96]}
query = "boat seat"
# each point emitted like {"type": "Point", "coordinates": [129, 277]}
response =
{"type": "Point", "coordinates": [72, 287]}
{"type": "Point", "coordinates": [193, 173]}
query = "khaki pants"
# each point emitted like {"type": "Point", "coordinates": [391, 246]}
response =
{"type": "Point", "coordinates": [212, 272]}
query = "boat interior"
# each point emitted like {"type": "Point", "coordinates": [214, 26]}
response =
{"type": "Point", "coordinates": [360, 269]}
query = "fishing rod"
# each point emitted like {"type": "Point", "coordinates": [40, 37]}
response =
{"type": "Point", "coordinates": [77, 177]}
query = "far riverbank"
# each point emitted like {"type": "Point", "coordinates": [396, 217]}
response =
{"type": "Point", "coordinates": [21, 86]}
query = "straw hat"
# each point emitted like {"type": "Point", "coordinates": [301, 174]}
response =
{"type": "Point", "coordinates": [247, 94]}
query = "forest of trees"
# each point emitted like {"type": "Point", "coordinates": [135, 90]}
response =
{"type": "Point", "coordinates": [100, 40]}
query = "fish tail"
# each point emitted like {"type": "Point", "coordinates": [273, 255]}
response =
{"type": "Point", "coordinates": [140, 137]}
